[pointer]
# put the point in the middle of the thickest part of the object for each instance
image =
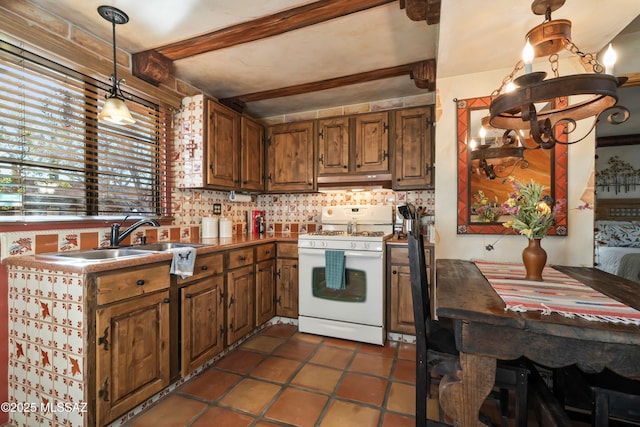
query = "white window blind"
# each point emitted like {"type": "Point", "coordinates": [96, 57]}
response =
{"type": "Point", "coordinates": [56, 158]}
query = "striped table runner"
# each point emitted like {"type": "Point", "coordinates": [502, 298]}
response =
{"type": "Point", "coordinates": [558, 293]}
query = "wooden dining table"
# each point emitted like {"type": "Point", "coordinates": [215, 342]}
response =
{"type": "Point", "coordinates": [485, 332]}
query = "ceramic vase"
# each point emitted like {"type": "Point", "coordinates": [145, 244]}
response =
{"type": "Point", "coordinates": [534, 259]}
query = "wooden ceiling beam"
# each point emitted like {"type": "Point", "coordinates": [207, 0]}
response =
{"type": "Point", "coordinates": [407, 69]}
{"type": "Point", "coordinates": [267, 26]}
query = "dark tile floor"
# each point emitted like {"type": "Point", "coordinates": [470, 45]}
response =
{"type": "Point", "coordinates": [281, 377]}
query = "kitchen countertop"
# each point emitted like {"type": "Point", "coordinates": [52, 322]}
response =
{"type": "Point", "coordinates": [211, 246]}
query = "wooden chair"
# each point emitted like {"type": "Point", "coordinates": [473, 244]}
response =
{"type": "Point", "coordinates": [436, 351]}
{"type": "Point", "coordinates": [606, 397]}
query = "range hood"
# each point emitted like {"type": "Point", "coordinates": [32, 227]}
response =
{"type": "Point", "coordinates": [354, 182]}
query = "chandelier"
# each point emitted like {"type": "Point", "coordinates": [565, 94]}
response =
{"type": "Point", "coordinates": [115, 110]}
{"type": "Point", "coordinates": [527, 103]}
{"type": "Point", "coordinates": [498, 156]}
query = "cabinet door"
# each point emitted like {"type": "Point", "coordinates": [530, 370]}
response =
{"type": "Point", "coordinates": [240, 303]}
{"type": "Point", "coordinates": [290, 157]}
{"type": "Point", "coordinates": [333, 146]}
{"type": "Point", "coordinates": [400, 301]}
{"type": "Point", "coordinates": [287, 288]}
{"type": "Point", "coordinates": [413, 148]}
{"type": "Point", "coordinates": [252, 156]}
{"type": "Point", "coordinates": [223, 146]}
{"type": "Point", "coordinates": [132, 353]}
{"type": "Point", "coordinates": [265, 291]}
{"type": "Point", "coordinates": [202, 322]}
{"type": "Point", "coordinates": [372, 143]}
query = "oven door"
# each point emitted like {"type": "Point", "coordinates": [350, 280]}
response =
{"type": "Point", "coordinates": [361, 300]}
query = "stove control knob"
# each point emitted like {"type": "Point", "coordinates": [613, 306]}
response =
{"type": "Point", "coordinates": [365, 245]}
{"type": "Point", "coordinates": [324, 244]}
{"type": "Point", "coordinates": [353, 245]}
{"type": "Point", "coordinates": [311, 244]}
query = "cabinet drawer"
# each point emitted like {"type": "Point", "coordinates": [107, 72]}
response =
{"type": "Point", "coordinates": [399, 255]}
{"type": "Point", "coordinates": [205, 265]}
{"type": "Point", "coordinates": [240, 257]}
{"type": "Point", "coordinates": [129, 283]}
{"type": "Point", "coordinates": [287, 250]}
{"type": "Point", "coordinates": [265, 252]}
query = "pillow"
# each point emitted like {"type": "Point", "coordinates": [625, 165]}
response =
{"type": "Point", "coordinates": [618, 233]}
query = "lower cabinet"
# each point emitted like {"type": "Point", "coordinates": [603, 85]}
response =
{"type": "Point", "coordinates": [399, 301]}
{"type": "Point", "coordinates": [132, 339]}
{"type": "Point", "coordinates": [202, 331]}
{"type": "Point", "coordinates": [240, 296]}
{"type": "Point", "coordinates": [265, 272]}
{"type": "Point", "coordinates": [287, 280]}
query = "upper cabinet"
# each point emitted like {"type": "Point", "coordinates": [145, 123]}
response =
{"type": "Point", "coordinates": [222, 147]}
{"type": "Point", "coordinates": [372, 143]}
{"type": "Point", "coordinates": [217, 148]}
{"type": "Point", "coordinates": [333, 146]}
{"type": "Point", "coordinates": [353, 145]}
{"type": "Point", "coordinates": [413, 146]}
{"type": "Point", "coordinates": [252, 156]}
{"type": "Point", "coordinates": [290, 157]}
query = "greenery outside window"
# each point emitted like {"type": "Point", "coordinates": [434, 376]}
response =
{"type": "Point", "coordinates": [57, 159]}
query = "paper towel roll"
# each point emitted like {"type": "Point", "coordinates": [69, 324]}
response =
{"type": "Point", "coordinates": [239, 197]}
{"type": "Point", "coordinates": [209, 227]}
{"type": "Point", "coordinates": [225, 227]}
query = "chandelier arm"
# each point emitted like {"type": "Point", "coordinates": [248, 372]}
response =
{"type": "Point", "coordinates": [567, 132]}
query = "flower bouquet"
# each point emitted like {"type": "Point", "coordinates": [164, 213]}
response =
{"type": "Point", "coordinates": [532, 217]}
{"type": "Point", "coordinates": [485, 210]}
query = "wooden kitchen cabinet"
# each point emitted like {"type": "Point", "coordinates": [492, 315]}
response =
{"type": "Point", "coordinates": [287, 280]}
{"type": "Point", "coordinates": [354, 145]}
{"type": "Point", "coordinates": [202, 328]}
{"type": "Point", "coordinates": [400, 305]}
{"type": "Point", "coordinates": [414, 151]}
{"type": "Point", "coordinates": [372, 143]}
{"type": "Point", "coordinates": [265, 273]}
{"type": "Point", "coordinates": [290, 157]}
{"type": "Point", "coordinates": [252, 156]}
{"type": "Point", "coordinates": [240, 295]}
{"type": "Point", "coordinates": [333, 146]}
{"type": "Point", "coordinates": [131, 339]}
{"type": "Point", "coordinates": [222, 147]}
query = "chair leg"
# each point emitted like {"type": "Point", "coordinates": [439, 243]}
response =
{"type": "Point", "coordinates": [422, 391]}
{"type": "Point", "coordinates": [600, 416]}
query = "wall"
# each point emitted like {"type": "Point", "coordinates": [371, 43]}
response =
{"type": "Point", "coordinates": [574, 249]}
{"type": "Point", "coordinates": [629, 154]}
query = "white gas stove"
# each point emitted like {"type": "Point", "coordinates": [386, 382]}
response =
{"type": "Point", "coordinates": [355, 309]}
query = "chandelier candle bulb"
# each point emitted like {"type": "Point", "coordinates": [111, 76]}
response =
{"type": "Point", "coordinates": [609, 60]}
{"type": "Point", "coordinates": [527, 57]}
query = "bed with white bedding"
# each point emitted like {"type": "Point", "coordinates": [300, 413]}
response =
{"type": "Point", "coordinates": [617, 237]}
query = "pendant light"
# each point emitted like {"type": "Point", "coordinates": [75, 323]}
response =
{"type": "Point", "coordinates": [115, 110]}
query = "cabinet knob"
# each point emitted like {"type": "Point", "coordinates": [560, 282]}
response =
{"type": "Point", "coordinates": [395, 272]}
{"type": "Point", "coordinates": [204, 268]}
{"type": "Point", "coordinates": [243, 258]}
{"type": "Point", "coordinates": [188, 296]}
{"type": "Point", "coordinates": [166, 300]}
{"type": "Point", "coordinates": [140, 282]}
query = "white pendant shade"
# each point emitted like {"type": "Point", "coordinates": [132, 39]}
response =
{"type": "Point", "coordinates": [115, 111]}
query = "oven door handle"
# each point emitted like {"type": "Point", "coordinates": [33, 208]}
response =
{"type": "Point", "coordinates": [358, 254]}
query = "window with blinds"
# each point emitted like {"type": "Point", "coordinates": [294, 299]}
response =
{"type": "Point", "coordinates": [56, 158]}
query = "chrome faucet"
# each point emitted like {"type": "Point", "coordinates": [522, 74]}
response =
{"type": "Point", "coordinates": [117, 237]}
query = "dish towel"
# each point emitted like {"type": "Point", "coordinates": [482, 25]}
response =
{"type": "Point", "coordinates": [334, 269]}
{"type": "Point", "coordinates": [183, 262]}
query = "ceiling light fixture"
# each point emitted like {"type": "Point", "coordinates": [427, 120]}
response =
{"type": "Point", "coordinates": [530, 105]}
{"type": "Point", "coordinates": [498, 158]}
{"type": "Point", "coordinates": [114, 110]}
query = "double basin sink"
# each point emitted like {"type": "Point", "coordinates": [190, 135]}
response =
{"type": "Point", "coordinates": [114, 254]}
